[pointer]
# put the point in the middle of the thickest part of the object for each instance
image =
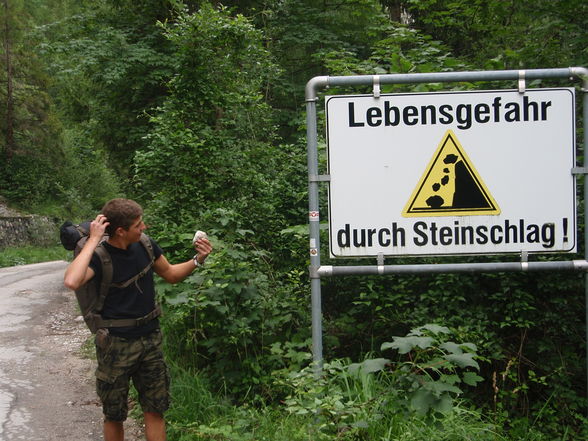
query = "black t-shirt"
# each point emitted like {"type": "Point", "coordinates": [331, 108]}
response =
{"type": "Point", "coordinates": [133, 301]}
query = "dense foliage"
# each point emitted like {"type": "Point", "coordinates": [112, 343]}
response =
{"type": "Point", "coordinates": [197, 110]}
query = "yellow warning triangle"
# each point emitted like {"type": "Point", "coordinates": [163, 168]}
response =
{"type": "Point", "coordinates": [450, 186]}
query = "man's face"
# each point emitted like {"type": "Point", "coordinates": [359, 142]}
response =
{"type": "Point", "coordinates": [135, 230]}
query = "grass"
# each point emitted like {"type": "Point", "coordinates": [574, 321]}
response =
{"type": "Point", "coordinates": [87, 350]}
{"type": "Point", "coordinates": [25, 255]}
{"type": "Point", "coordinates": [197, 414]}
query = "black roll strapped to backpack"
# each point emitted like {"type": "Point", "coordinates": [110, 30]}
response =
{"type": "Point", "coordinates": [90, 297]}
{"type": "Point", "coordinates": [71, 234]}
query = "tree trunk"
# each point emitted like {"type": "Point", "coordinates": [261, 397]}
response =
{"type": "Point", "coordinates": [9, 139]}
{"type": "Point", "coordinates": [392, 8]}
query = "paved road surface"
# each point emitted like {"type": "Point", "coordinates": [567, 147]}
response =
{"type": "Point", "coordinates": [46, 385]}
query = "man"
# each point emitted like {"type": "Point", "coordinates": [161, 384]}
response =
{"type": "Point", "coordinates": [130, 352]}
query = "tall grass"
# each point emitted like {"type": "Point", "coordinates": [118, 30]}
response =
{"type": "Point", "coordinates": [29, 254]}
{"type": "Point", "coordinates": [197, 414]}
{"type": "Point", "coordinates": [343, 404]}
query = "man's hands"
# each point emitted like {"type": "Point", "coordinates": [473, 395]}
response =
{"type": "Point", "coordinates": [98, 227]}
{"type": "Point", "coordinates": [78, 271]}
{"type": "Point", "coordinates": [203, 247]}
{"type": "Point", "coordinates": [178, 272]}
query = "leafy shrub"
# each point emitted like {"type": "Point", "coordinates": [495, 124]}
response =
{"type": "Point", "coordinates": [228, 318]}
{"type": "Point", "coordinates": [367, 400]}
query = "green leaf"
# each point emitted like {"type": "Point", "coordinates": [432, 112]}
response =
{"type": "Point", "coordinates": [450, 379]}
{"type": "Point", "coordinates": [373, 365]}
{"type": "Point", "coordinates": [436, 329]}
{"type": "Point", "coordinates": [438, 388]}
{"type": "Point", "coordinates": [463, 360]}
{"type": "Point", "coordinates": [368, 366]}
{"type": "Point", "coordinates": [436, 364]}
{"type": "Point", "coordinates": [406, 344]}
{"type": "Point", "coordinates": [471, 378]}
{"type": "Point", "coordinates": [181, 298]}
{"type": "Point", "coordinates": [470, 346]}
{"type": "Point", "coordinates": [421, 401]}
{"type": "Point", "coordinates": [354, 368]}
{"type": "Point", "coordinates": [444, 404]}
{"type": "Point", "coordinates": [449, 346]}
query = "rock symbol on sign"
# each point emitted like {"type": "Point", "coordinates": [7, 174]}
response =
{"type": "Point", "coordinates": [450, 186]}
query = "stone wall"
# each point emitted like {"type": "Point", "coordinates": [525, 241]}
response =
{"type": "Point", "coordinates": [27, 230]}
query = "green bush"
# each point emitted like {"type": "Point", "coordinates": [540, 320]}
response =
{"type": "Point", "coordinates": [226, 318]}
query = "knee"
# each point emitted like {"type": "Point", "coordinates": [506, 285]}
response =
{"type": "Point", "coordinates": [152, 416]}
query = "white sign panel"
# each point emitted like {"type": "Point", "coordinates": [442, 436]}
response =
{"type": "Point", "coordinates": [482, 172]}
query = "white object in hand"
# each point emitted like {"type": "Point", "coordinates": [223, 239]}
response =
{"type": "Point", "coordinates": [199, 235]}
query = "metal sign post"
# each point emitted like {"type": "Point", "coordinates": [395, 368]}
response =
{"type": "Point", "coordinates": [492, 221]}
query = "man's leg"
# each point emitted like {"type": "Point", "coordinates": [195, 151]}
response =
{"type": "Point", "coordinates": [152, 383]}
{"type": "Point", "coordinates": [154, 426]}
{"type": "Point", "coordinates": [113, 431]}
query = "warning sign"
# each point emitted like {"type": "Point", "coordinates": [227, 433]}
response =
{"type": "Point", "coordinates": [477, 172]}
{"type": "Point", "coordinates": [450, 185]}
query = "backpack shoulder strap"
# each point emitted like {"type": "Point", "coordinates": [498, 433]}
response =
{"type": "Point", "coordinates": [146, 242]}
{"type": "Point", "coordinates": [106, 263]}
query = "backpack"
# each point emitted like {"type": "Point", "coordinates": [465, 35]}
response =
{"type": "Point", "coordinates": [91, 297]}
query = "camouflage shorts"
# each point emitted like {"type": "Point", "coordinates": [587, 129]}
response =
{"type": "Point", "coordinates": [140, 360]}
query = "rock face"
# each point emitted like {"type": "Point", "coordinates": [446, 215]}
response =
{"type": "Point", "coordinates": [8, 212]}
{"type": "Point", "coordinates": [17, 229]}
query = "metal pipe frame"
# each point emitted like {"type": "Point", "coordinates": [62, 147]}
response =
{"type": "Point", "coordinates": [317, 271]}
{"type": "Point", "coordinates": [573, 265]}
{"type": "Point", "coordinates": [321, 82]}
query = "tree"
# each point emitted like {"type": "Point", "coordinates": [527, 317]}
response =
{"type": "Point", "coordinates": [506, 35]}
{"type": "Point", "coordinates": [30, 132]}
{"type": "Point", "coordinates": [210, 143]}
{"type": "Point", "coordinates": [9, 146]}
{"type": "Point", "coordinates": [111, 63]}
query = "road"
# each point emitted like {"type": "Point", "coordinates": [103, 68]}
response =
{"type": "Point", "coordinates": [46, 383]}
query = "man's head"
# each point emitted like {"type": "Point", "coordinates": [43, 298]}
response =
{"type": "Point", "coordinates": [121, 213]}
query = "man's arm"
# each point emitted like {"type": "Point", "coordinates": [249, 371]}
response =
{"type": "Point", "coordinates": [178, 272]}
{"type": "Point", "coordinates": [78, 271]}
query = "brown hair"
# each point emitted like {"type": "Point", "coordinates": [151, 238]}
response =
{"type": "Point", "coordinates": [121, 213]}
